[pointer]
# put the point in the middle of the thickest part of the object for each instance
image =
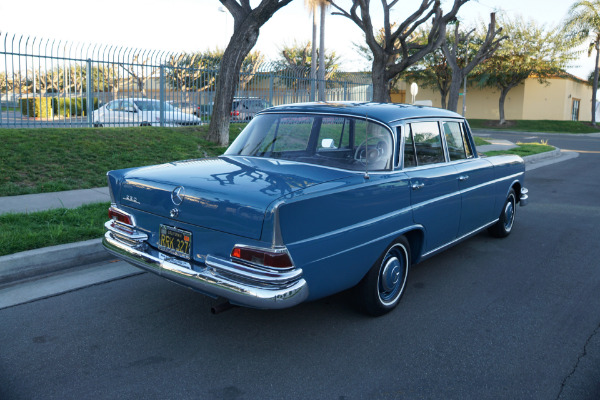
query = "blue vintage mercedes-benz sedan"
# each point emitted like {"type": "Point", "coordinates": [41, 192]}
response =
{"type": "Point", "coordinates": [313, 199]}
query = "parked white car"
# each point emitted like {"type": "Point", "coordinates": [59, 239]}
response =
{"type": "Point", "coordinates": [141, 112]}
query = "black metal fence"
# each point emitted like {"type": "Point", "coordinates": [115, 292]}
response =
{"type": "Point", "coordinates": [53, 83]}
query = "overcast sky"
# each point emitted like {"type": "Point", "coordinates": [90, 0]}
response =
{"type": "Point", "coordinates": [193, 25]}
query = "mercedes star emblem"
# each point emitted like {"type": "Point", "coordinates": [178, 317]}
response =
{"type": "Point", "coordinates": [177, 195]}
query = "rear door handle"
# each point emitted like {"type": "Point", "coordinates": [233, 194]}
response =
{"type": "Point", "coordinates": [417, 186]}
{"type": "Point", "coordinates": [463, 178]}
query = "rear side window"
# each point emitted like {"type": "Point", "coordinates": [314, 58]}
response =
{"type": "Point", "coordinates": [454, 139]}
{"type": "Point", "coordinates": [426, 142]}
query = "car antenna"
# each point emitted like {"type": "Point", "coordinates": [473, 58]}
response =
{"type": "Point", "coordinates": [366, 147]}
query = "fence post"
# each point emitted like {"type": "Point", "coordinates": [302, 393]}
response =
{"type": "Point", "coordinates": [162, 95]}
{"type": "Point", "coordinates": [271, 86]}
{"type": "Point", "coordinates": [89, 92]}
{"type": "Point", "coordinates": [345, 91]}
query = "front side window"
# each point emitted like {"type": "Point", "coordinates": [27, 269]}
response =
{"type": "Point", "coordinates": [127, 106]}
{"type": "Point", "coordinates": [151, 105]}
{"type": "Point", "coordinates": [114, 105]}
{"type": "Point", "coordinates": [329, 140]}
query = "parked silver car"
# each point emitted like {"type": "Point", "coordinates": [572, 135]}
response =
{"type": "Point", "coordinates": [141, 112]}
{"type": "Point", "coordinates": [245, 108]}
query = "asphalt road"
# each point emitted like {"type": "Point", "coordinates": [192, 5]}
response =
{"type": "Point", "coordinates": [514, 318]}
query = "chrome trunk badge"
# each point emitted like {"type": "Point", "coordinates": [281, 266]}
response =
{"type": "Point", "coordinates": [177, 195]}
{"type": "Point", "coordinates": [131, 199]}
{"type": "Point", "coordinates": [174, 213]}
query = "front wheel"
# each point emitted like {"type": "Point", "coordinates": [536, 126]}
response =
{"type": "Point", "coordinates": [505, 223]}
{"type": "Point", "coordinates": [383, 286]}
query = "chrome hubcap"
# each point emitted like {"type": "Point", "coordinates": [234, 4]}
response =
{"type": "Point", "coordinates": [509, 215]}
{"type": "Point", "coordinates": [391, 274]}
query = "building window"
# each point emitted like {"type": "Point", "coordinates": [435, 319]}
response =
{"type": "Point", "coordinates": [575, 110]}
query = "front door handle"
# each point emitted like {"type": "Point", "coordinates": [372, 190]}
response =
{"type": "Point", "coordinates": [417, 186]}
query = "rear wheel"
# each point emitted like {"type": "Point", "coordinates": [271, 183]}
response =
{"type": "Point", "coordinates": [383, 286]}
{"type": "Point", "coordinates": [504, 226]}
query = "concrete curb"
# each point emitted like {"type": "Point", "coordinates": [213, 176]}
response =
{"type": "Point", "coordinates": [31, 263]}
{"type": "Point", "coordinates": [542, 156]}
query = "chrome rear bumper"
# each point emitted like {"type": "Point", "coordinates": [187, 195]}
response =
{"type": "Point", "coordinates": [218, 277]}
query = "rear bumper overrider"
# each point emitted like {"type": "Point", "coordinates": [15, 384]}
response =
{"type": "Point", "coordinates": [217, 277]}
{"type": "Point", "coordinates": [524, 197]}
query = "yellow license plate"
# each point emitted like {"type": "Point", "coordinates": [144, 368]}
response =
{"type": "Point", "coordinates": [175, 241]}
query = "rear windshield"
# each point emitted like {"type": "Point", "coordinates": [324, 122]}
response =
{"type": "Point", "coordinates": [329, 140]}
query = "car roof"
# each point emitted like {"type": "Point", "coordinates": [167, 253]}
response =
{"type": "Point", "coordinates": [383, 112]}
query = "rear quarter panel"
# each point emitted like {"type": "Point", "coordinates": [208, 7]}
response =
{"type": "Point", "coordinates": [335, 232]}
{"type": "Point", "coordinates": [509, 171]}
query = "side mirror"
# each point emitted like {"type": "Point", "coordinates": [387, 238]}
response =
{"type": "Point", "coordinates": [328, 144]}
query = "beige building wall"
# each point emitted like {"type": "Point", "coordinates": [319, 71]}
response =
{"type": "Point", "coordinates": [583, 92]}
{"type": "Point", "coordinates": [481, 103]}
{"type": "Point", "coordinates": [531, 100]}
{"type": "Point", "coordinates": [546, 101]}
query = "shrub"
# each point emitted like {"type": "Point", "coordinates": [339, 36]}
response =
{"type": "Point", "coordinates": [37, 107]}
{"type": "Point", "coordinates": [72, 106]}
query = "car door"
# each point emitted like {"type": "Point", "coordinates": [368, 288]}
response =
{"type": "Point", "coordinates": [111, 113]}
{"type": "Point", "coordinates": [474, 178]}
{"type": "Point", "coordinates": [128, 114]}
{"type": "Point", "coordinates": [435, 196]}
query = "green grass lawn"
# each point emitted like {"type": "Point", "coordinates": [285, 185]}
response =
{"type": "Point", "coordinates": [536, 126]}
{"type": "Point", "coordinates": [480, 141]}
{"type": "Point", "coordinates": [523, 149]}
{"type": "Point", "coordinates": [52, 159]}
{"type": "Point", "coordinates": [35, 230]}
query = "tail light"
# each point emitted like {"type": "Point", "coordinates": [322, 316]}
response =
{"type": "Point", "coordinates": [125, 220]}
{"type": "Point", "coordinates": [273, 258]}
{"type": "Point", "coordinates": [235, 113]}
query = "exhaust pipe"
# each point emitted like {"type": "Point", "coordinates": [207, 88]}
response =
{"type": "Point", "coordinates": [219, 308]}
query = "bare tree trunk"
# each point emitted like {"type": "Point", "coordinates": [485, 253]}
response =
{"type": "Point", "coordinates": [443, 95]}
{"type": "Point", "coordinates": [485, 51]}
{"type": "Point", "coordinates": [503, 94]}
{"type": "Point", "coordinates": [454, 93]}
{"type": "Point", "coordinates": [595, 83]}
{"type": "Point", "coordinates": [381, 84]}
{"type": "Point", "coordinates": [322, 54]}
{"type": "Point", "coordinates": [242, 41]}
{"type": "Point", "coordinates": [313, 60]}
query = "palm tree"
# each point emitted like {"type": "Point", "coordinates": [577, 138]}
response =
{"type": "Point", "coordinates": [312, 5]}
{"type": "Point", "coordinates": [583, 22]}
{"type": "Point", "coordinates": [312, 8]}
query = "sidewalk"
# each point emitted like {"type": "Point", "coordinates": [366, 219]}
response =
{"type": "Point", "coordinates": [47, 201]}
{"type": "Point", "coordinates": [33, 263]}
